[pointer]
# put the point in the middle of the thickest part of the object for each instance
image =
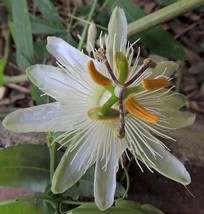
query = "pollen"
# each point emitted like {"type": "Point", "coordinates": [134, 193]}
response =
{"type": "Point", "coordinates": [96, 76]}
{"type": "Point", "coordinates": [154, 84]}
{"type": "Point", "coordinates": [137, 110]}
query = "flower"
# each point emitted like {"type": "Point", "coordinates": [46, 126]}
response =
{"type": "Point", "coordinates": [105, 106]}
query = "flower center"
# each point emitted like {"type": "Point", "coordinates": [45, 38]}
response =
{"type": "Point", "coordinates": [120, 90]}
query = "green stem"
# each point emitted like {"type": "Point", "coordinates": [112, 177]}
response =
{"type": "Point", "coordinates": [53, 156]}
{"type": "Point", "coordinates": [34, 197]}
{"type": "Point", "coordinates": [7, 46]}
{"type": "Point", "coordinates": [15, 79]}
{"type": "Point", "coordinates": [75, 202]}
{"type": "Point", "coordinates": [107, 105]}
{"type": "Point", "coordinates": [163, 15]}
{"type": "Point", "coordinates": [128, 183]}
{"type": "Point", "coordinates": [87, 22]}
{"type": "Point", "coordinates": [84, 33]}
{"type": "Point", "coordinates": [5, 57]}
{"type": "Point", "coordinates": [113, 99]}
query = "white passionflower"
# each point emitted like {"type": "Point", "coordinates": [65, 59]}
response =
{"type": "Point", "coordinates": [105, 106]}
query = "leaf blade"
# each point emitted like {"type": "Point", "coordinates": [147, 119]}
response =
{"type": "Point", "coordinates": [21, 208]}
{"type": "Point", "coordinates": [41, 26]}
{"type": "Point", "coordinates": [23, 34]}
{"type": "Point", "coordinates": [25, 166]}
{"type": "Point", "coordinates": [49, 12]}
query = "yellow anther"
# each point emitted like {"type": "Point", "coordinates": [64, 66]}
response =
{"type": "Point", "coordinates": [137, 110]}
{"type": "Point", "coordinates": [99, 54]}
{"type": "Point", "coordinates": [154, 84]}
{"type": "Point", "coordinates": [96, 76]}
{"type": "Point", "coordinates": [111, 114]}
{"type": "Point", "coordinates": [148, 62]}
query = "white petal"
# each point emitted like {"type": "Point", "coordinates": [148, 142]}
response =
{"type": "Point", "coordinates": [66, 54]}
{"type": "Point", "coordinates": [42, 118]}
{"type": "Point", "coordinates": [117, 32]}
{"type": "Point", "coordinates": [175, 101]}
{"type": "Point", "coordinates": [71, 167]}
{"type": "Point", "coordinates": [167, 164]}
{"type": "Point", "coordinates": [162, 99]}
{"type": "Point", "coordinates": [168, 66]}
{"type": "Point", "coordinates": [177, 119]}
{"type": "Point", "coordinates": [51, 80]}
{"type": "Point", "coordinates": [105, 182]}
{"type": "Point", "coordinates": [117, 27]}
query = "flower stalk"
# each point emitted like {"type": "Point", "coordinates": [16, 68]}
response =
{"type": "Point", "coordinates": [148, 63]}
{"type": "Point", "coordinates": [15, 79]}
{"type": "Point", "coordinates": [35, 197]}
{"type": "Point", "coordinates": [53, 154]}
{"type": "Point", "coordinates": [165, 14]}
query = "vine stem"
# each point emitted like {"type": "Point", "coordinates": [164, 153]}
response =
{"type": "Point", "coordinates": [15, 79]}
{"type": "Point", "coordinates": [86, 22]}
{"type": "Point", "coordinates": [6, 55]}
{"type": "Point", "coordinates": [85, 30]}
{"type": "Point", "coordinates": [53, 155]}
{"type": "Point", "coordinates": [75, 202]}
{"type": "Point", "coordinates": [128, 183]}
{"type": "Point", "coordinates": [165, 14]}
{"type": "Point", "coordinates": [34, 197]}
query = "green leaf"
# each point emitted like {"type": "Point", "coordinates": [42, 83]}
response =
{"type": "Point", "coordinates": [120, 190]}
{"type": "Point", "coordinates": [157, 40]}
{"type": "Point", "coordinates": [2, 67]}
{"type": "Point", "coordinates": [7, 3]}
{"type": "Point", "coordinates": [36, 95]}
{"type": "Point", "coordinates": [22, 208]}
{"type": "Point", "coordinates": [151, 209]}
{"type": "Point", "coordinates": [138, 208]}
{"type": "Point", "coordinates": [68, 38]}
{"type": "Point", "coordinates": [127, 204]}
{"type": "Point", "coordinates": [86, 185]}
{"type": "Point", "coordinates": [11, 28]}
{"type": "Point", "coordinates": [49, 12]}
{"type": "Point", "coordinates": [72, 192]}
{"type": "Point", "coordinates": [23, 34]}
{"type": "Point", "coordinates": [41, 26]}
{"type": "Point", "coordinates": [162, 43]}
{"type": "Point", "coordinates": [92, 209]}
{"type": "Point", "coordinates": [40, 50]}
{"type": "Point", "coordinates": [47, 209]}
{"type": "Point", "coordinates": [4, 59]}
{"type": "Point", "coordinates": [25, 166]}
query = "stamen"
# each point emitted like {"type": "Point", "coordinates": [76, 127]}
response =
{"type": "Point", "coordinates": [97, 77]}
{"type": "Point", "coordinates": [154, 84]}
{"type": "Point", "coordinates": [101, 56]}
{"type": "Point", "coordinates": [136, 109]}
{"type": "Point", "coordinates": [147, 63]}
